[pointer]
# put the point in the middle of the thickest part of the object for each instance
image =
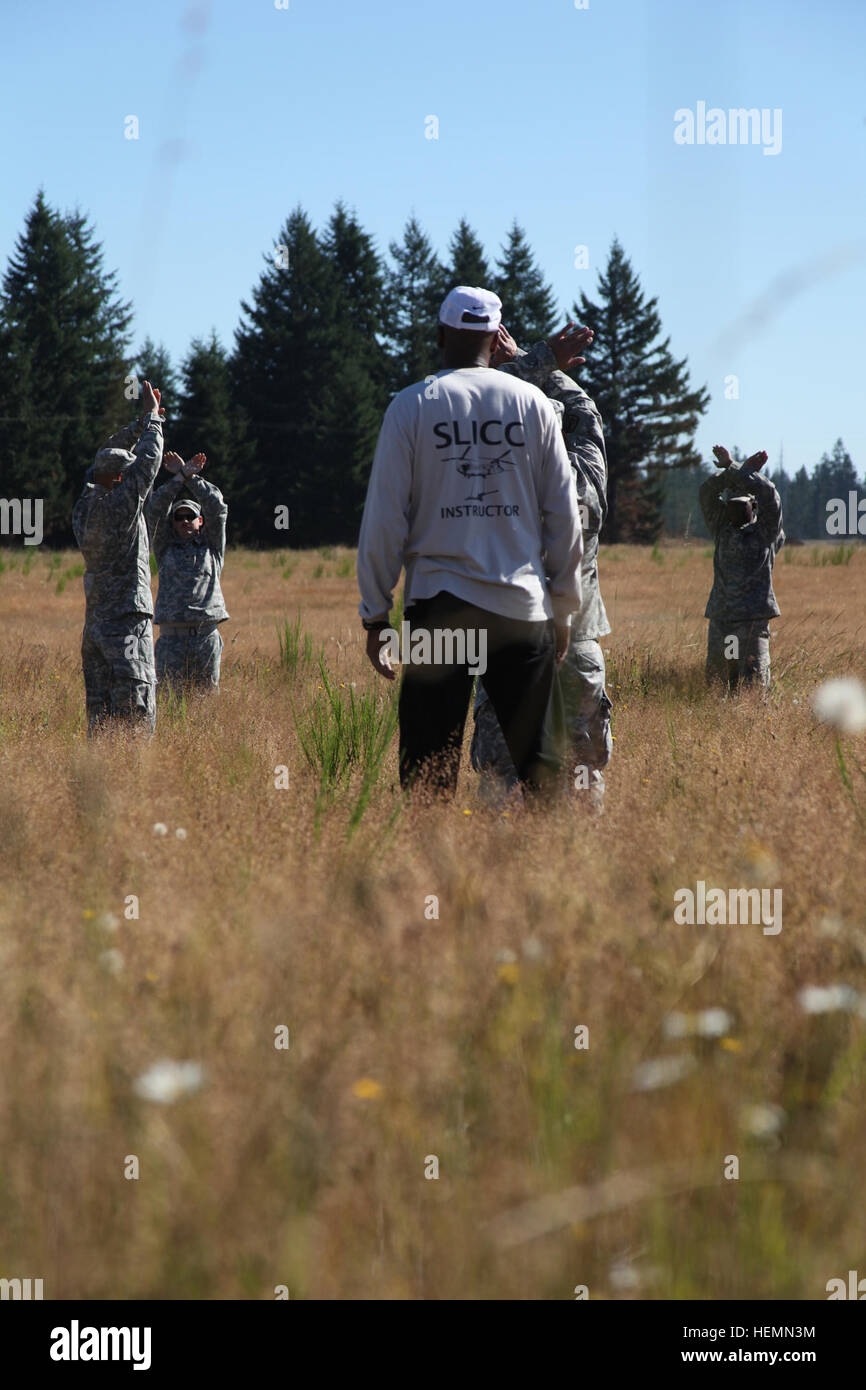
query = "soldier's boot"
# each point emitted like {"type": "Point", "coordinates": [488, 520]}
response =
{"type": "Point", "coordinates": [133, 704]}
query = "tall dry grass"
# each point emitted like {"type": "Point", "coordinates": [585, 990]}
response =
{"type": "Point", "coordinates": [410, 1035]}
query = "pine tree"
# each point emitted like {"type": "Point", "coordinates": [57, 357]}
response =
{"type": "Point", "coordinates": [352, 415]}
{"type": "Point", "coordinates": [529, 309]}
{"type": "Point", "coordinates": [467, 264]}
{"type": "Point", "coordinates": [783, 485]}
{"type": "Point", "coordinates": [63, 359]}
{"type": "Point", "coordinates": [360, 275]}
{"type": "Point", "coordinates": [798, 509]}
{"type": "Point", "coordinates": [649, 412]}
{"type": "Point", "coordinates": [302, 374]}
{"type": "Point", "coordinates": [833, 478]}
{"type": "Point", "coordinates": [209, 422]}
{"type": "Point", "coordinates": [414, 290]}
{"type": "Point", "coordinates": [284, 338]}
{"type": "Point", "coordinates": [681, 510]}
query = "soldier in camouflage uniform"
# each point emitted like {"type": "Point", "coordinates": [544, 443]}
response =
{"type": "Point", "coordinates": [188, 535]}
{"type": "Point", "coordinates": [579, 717]}
{"type": "Point", "coordinates": [743, 513]}
{"type": "Point", "coordinates": [109, 526]}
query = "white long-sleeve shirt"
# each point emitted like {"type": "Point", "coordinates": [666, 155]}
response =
{"type": "Point", "coordinates": [472, 491]}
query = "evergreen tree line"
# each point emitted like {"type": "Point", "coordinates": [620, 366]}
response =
{"type": "Point", "coordinates": [330, 331]}
{"type": "Point", "coordinates": [806, 514]}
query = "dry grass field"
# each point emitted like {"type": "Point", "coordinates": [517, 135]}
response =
{"type": "Point", "coordinates": [412, 1036]}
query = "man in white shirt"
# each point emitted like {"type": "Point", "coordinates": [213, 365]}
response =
{"type": "Point", "coordinates": [471, 489]}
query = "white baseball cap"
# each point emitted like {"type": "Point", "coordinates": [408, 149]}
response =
{"type": "Point", "coordinates": [470, 307]}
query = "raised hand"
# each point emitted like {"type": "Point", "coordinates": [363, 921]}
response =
{"type": "Point", "coordinates": [723, 458]}
{"type": "Point", "coordinates": [196, 463]}
{"type": "Point", "coordinates": [755, 463]}
{"type": "Point", "coordinates": [568, 344]}
{"type": "Point", "coordinates": [173, 461]}
{"type": "Point", "coordinates": [150, 398]}
{"type": "Point", "coordinates": [504, 348]}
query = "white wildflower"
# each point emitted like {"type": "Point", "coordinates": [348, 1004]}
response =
{"type": "Point", "coordinates": [160, 829]}
{"type": "Point", "coordinates": [623, 1276]}
{"type": "Point", "coordinates": [762, 1120]}
{"type": "Point", "coordinates": [708, 1023]}
{"type": "Point", "coordinates": [826, 999]}
{"type": "Point", "coordinates": [713, 1023]}
{"type": "Point", "coordinates": [831, 925]}
{"type": "Point", "coordinates": [842, 703]}
{"type": "Point", "coordinates": [676, 1025]}
{"type": "Point", "coordinates": [661, 1071]}
{"type": "Point", "coordinates": [112, 961]}
{"type": "Point", "coordinates": [166, 1080]}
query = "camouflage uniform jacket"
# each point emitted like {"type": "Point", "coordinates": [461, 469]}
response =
{"type": "Point", "coordinates": [584, 440]}
{"type": "Point", "coordinates": [189, 571]}
{"type": "Point", "coordinates": [111, 532]}
{"type": "Point", "coordinates": [743, 557]}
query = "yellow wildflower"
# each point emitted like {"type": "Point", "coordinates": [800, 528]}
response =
{"type": "Point", "coordinates": [367, 1089]}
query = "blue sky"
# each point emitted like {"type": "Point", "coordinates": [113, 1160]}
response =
{"type": "Point", "coordinates": [561, 117]}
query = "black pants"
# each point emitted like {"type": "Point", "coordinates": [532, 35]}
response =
{"type": "Point", "coordinates": [434, 698]}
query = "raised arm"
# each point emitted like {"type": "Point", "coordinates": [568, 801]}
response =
{"type": "Point", "coordinates": [711, 489]}
{"type": "Point", "coordinates": [127, 437]}
{"type": "Point", "coordinates": [158, 506]}
{"type": "Point", "coordinates": [562, 539]}
{"type": "Point", "coordinates": [213, 507]}
{"type": "Point", "coordinates": [540, 367]}
{"type": "Point", "coordinates": [582, 425]}
{"type": "Point", "coordinates": [769, 507]}
{"type": "Point", "coordinates": [138, 479]}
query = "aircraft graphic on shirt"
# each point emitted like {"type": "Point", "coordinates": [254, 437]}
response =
{"type": "Point", "coordinates": [480, 468]}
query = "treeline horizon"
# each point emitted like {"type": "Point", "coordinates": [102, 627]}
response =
{"type": "Point", "coordinates": [329, 333]}
{"type": "Point", "coordinates": [804, 496]}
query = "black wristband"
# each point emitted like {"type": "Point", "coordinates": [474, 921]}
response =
{"type": "Point", "coordinates": [377, 626]}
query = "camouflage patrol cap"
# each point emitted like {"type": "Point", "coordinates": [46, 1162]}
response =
{"type": "Point", "coordinates": [185, 504]}
{"type": "Point", "coordinates": [112, 461]}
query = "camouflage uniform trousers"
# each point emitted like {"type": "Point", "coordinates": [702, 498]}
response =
{"type": "Point", "coordinates": [745, 658]}
{"type": "Point", "coordinates": [189, 653]}
{"type": "Point", "coordinates": [119, 673]}
{"type": "Point", "coordinates": [578, 725]}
